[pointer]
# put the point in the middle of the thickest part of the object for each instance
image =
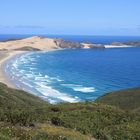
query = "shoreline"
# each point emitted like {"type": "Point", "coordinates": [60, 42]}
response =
{"type": "Point", "coordinates": [10, 56]}
{"type": "Point", "coordinates": [8, 80]}
{"type": "Point", "coordinates": [7, 55]}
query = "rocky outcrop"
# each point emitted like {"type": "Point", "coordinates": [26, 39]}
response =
{"type": "Point", "coordinates": [67, 44]}
{"type": "Point", "coordinates": [130, 43]}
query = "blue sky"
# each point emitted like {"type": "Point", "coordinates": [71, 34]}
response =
{"type": "Point", "coordinates": [77, 17]}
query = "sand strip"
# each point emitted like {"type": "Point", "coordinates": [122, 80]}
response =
{"type": "Point", "coordinates": [5, 56]}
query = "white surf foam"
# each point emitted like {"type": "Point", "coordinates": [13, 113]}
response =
{"type": "Point", "coordinates": [40, 83]}
{"type": "Point", "coordinates": [29, 75]}
{"type": "Point", "coordinates": [33, 68]}
{"type": "Point", "coordinates": [27, 84]}
{"type": "Point", "coordinates": [71, 85]}
{"type": "Point", "coordinates": [52, 93]}
{"type": "Point", "coordinates": [117, 46]}
{"type": "Point", "coordinates": [55, 78]}
{"type": "Point", "coordinates": [84, 89]}
{"type": "Point", "coordinates": [80, 88]}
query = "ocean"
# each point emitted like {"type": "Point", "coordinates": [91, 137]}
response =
{"type": "Point", "coordinates": [78, 38]}
{"type": "Point", "coordinates": [75, 75]}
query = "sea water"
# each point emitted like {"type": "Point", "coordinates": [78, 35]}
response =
{"type": "Point", "coordinates": [75, 75]}
{"type": "Point", "coordinates": [77, 38]}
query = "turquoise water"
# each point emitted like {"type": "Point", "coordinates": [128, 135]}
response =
{"type": "Point", "coordinates": [76, 75]}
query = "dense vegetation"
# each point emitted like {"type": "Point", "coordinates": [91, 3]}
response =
{"type": "Point", "coordinates": [24, 117]}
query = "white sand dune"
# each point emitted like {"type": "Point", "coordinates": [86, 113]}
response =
{"type": "Point", "coordinates": [34, 42]}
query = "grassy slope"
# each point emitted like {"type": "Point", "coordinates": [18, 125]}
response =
{"type": "Point", "coordinates": [11, 97]}
{"type": "Point", "coordinates": [24, 116]}
{"type": "Point", "coordinates": [125, 99]}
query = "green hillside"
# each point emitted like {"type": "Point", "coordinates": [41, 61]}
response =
{"type": "Point", "coordinates": [26, 117]}
{"type": "Point", "coordinates": [17, 98]}
{"type": "Point", "coordinates": [124, 99]}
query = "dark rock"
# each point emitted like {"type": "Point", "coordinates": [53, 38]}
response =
{"type": "Point", "coordinates": [130, 43]}
{"type": "Point", "coordinates": [67, 44]}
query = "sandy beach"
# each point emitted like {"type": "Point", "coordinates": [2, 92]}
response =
{"type": "Point", "coordinates": [10, 49]}
{"type": "Point", "coordinates": [5, 56]}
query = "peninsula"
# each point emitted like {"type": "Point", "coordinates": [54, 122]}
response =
{"type": "Point", "coordinates": [37, 43]}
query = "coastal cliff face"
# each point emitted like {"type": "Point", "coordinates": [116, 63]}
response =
{"type": "Point", "coordinates": [41, 43]}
